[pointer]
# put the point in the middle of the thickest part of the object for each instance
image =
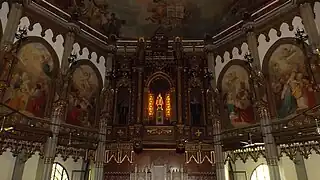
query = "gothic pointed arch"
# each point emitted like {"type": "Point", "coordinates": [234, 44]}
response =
{"type": "Point", "coordinates": [236, 87]}
{"type": "Point", "coordinates": [84, 94]}
{"type": "Point", "coordinates": [30, 72]}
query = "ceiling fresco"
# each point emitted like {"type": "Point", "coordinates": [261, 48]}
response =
{"type": "Point", "coordinates": [135, 18]}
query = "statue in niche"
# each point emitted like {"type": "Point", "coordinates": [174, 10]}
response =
{"type": "Point", "coordinates": [159, 102]}
{"type": "Point", "coordinates": [196, 110]}
{"type": "Point", "coordinates": [159, 111]}
{"type": "Point", "coordinates": [123, 112]}
{"type": "Point", "coordinates": [123, 106]}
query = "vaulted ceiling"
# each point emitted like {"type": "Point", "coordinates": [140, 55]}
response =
{"type": "Point", "coordinates": [130, 19]}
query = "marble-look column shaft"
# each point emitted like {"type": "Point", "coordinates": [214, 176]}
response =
{"type": "Point", "coordinates": [19, 165]}
{"type": "Point", "coordinates": [51, 144]}
{"type": "Point", "coordinates": [307, 14]}
{"type": "Point", "coordinates": [262, 107]}
{"type": "Point", "coordinates": [215, 116]}
{"type": "Point", "coordinates": [300, 167]}
{"type": "Point", "coordinates": [105, 115]}
{"type": "Point", "coordinates": [14, 17]}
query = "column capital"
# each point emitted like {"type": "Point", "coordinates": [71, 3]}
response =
{"type": "Point", "coordinates": [73, 28]}
{"type": "Point", "coordinates": [210, 48]}
{"type": "Point", "coordinates": [248, 27]}
{"type": "Point", "coordinates": [111, 49]}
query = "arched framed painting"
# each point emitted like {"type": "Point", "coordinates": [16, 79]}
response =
{"type": "Point", "coordinates": [290, 82]}
{"type": "Point", "coordinates": [84, 94]}
{"type": "Point", "coordinates": [236, 89]}
{"type": "Point", "coordinates": [30, 84]}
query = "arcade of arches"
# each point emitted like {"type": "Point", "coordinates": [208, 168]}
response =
{"type": "Point", "coordinates": [159, 90]}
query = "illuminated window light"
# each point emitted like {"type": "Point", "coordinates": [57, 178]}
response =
{"type": "Point", "coordinates": [168, 106]}
{"type": "Point", "coordinates": [151, 105]}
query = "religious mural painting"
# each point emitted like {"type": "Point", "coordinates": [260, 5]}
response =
{"type": "Point", "coordinates": [135, 18]}
{"type": "Point", "coordinates": [83, 94]}
{"type": "Point", "coordinates": [29, 86]}
{"type": "Point", "coordinates": [290, 82]}
{"type": "Point", "coordinates": [237, 96]}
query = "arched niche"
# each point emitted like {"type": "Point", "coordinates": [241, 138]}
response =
{"type": "Point", "coordinates": [123, 101]}
{"type": "Point", "coordinates": [30, 74]}
{"type": "Point", "coordinates": [83, 94]}
{"type": "Point", "coordinates": [196, 102]}
{"type": "Point", "coordinates": [159, 100]}
{"type": "Point", "coordinates": [290, 80]}
{"type": "Point", "coordinates": [237, 90]}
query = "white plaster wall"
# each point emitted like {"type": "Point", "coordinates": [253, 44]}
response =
{"type": "Point", "coordinates": [70, 165]}
{"type": "Point", "coordinates": [36, 31]}
{"type": "Point", "coordinates": [317, 13]}
{"type": "Point", "coordinates": [4, 15]}
{"type": "Point", "coordinates": [7, 162]}
{"type": "Point", "coordinates": [30, 168]}
{"type": "Point", "coordinates": [287, 169]}
{"type": "Point", "coordinates": [312, 166]}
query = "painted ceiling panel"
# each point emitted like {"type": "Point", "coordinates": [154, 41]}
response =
{"type": "Point", "coordinates": [130, 19]}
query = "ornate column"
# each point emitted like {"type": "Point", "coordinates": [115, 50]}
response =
{"type": "Point", "coordinates": [307, 14]}
{"type": "Point", "coordinates": [214, 115]}
{"type": "Point", "coordinates": [59, 108]}
{"type": "Point", "coordinates": [139, 98]}
{"type": "Point", "coordinates": [260, 105]}
{"type": "Point", "coordinates": [139, 70]}
{"type": "Point", "coordinates": [105, 116]}
{"type": "Point", "coordinates": [179, 57]}
{"type": "Point", "coordinates": [173, 105]}
{"type": "Point", "coordinates": [9, 32]}
{"type": "Point", "coordinates": [51, 144]}
{"type": "Point", "coordinates": [300, 167]}
{"type": "Point", "coordinates": [18, 169]}
{"type": "Point", "coordinates": [145, 104]}
{"type": "Point", "coordinates": [15, 14]}
{"type": "Point", "coordinates": [69, 40]}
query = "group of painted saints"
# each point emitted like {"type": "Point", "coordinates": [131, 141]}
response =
{"type": "Point", "coordinates": [293, 92]}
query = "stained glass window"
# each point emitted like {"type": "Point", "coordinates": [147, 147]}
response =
{"type": "Point", "coordinates": [261, 173]}
{"type": "Point", "coordinates": [59, 172]}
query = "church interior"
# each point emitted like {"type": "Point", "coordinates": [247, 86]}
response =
{"type": "Point", "coordinates": [159, 89]}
